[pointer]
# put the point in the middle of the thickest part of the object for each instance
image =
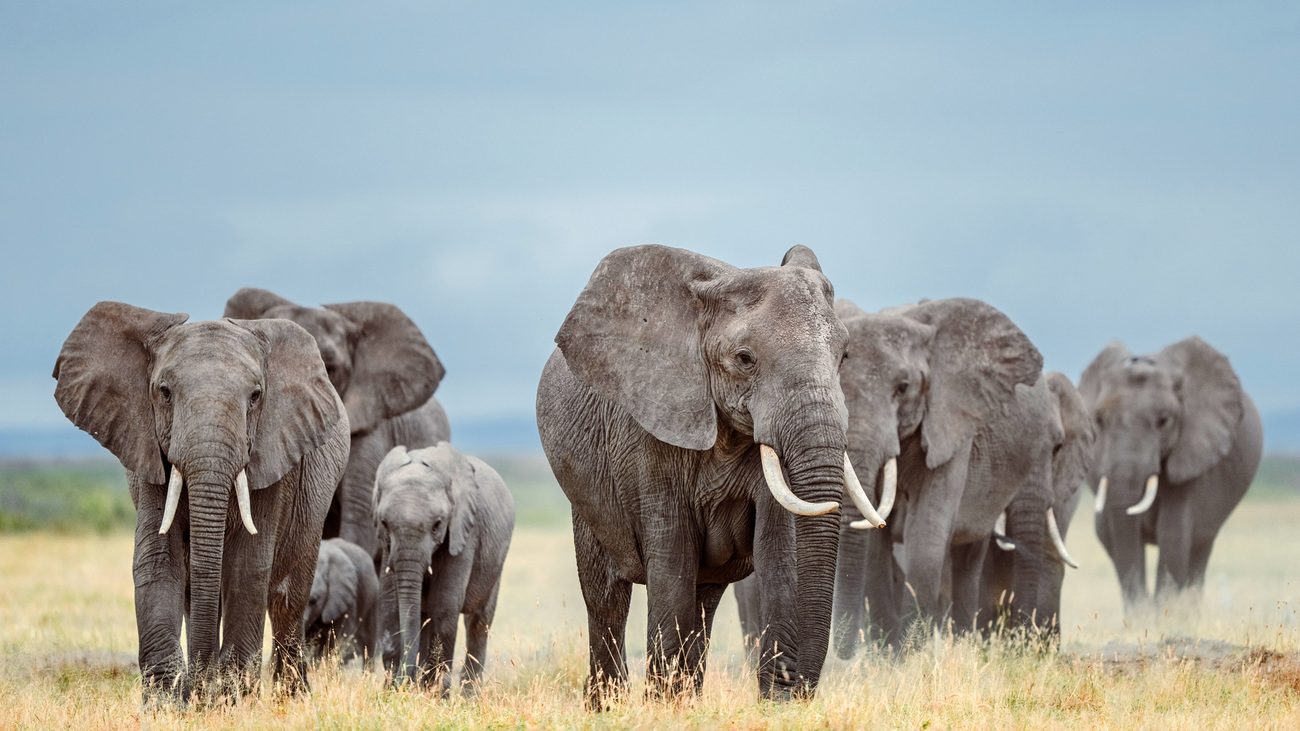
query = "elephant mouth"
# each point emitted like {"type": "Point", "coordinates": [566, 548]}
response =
{"type": "Point", "coordinates": [177, 481]}
{"type": "Point", "coordinates": [1143, 505]}
{"type": "Point", "coordinates": [775, 478]}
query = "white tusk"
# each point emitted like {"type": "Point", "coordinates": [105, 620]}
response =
{"type": "Point", "coordinates": [871, 519]}
{"type": "Point", "coordinates": [430, 567]}
{"type": "Point", "coordinates": [781, 491]}
{"type": "Point", "coordinates": [173, 499]}
{"type": "Point", "coordinates": [1000, 533]}
{"type": "Point", "coordinates": [1058, 541]}
{"type": "Point", "coordinates": [890, 487]}
{"type": "Point", "coordinates": [1098, 506]}
{"type": "Point", "coordinates": [245, 505]}
{"type": "Point", "coordinates": [1148, 497]}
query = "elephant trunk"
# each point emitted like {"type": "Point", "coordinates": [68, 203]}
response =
{"type": "Point", "coordinates": [209, 485]}
{"type": "Point", "coordinates": [408, 573]}
{"type": "Point", "coordinates": [1027, 528]}
{"type": "Point", "coordinates": [851, 572]}
{"type": "Point", "coordinates": [1121, 532]}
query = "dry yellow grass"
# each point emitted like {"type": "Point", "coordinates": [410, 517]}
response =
{"type": "Point", "coordinates": [67, 635]}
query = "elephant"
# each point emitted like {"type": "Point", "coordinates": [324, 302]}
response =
{"type": "Point", "coordinates": [201, 410]}
{"type": "Point", "coordinates": [946, 425]}
{"type": "Point", "coordinates": [385, 372]}
{"type": "Point", "coordinates": [1073, 448]}
{"type": "Point", "coordinates": [343, 609]}
{"type": "Point", "coordinates": [1179, 443]}
{"type": "Point", "coordinates": [691, 410]}
{"type": "Point", "coordinates": [444, 520]}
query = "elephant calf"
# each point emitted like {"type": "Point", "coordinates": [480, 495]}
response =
{"type": "Point", "coordinates": [444, 521]}
{"type": "Point", "coordinates": [342, 613]}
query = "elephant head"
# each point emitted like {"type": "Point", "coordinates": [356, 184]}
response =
{"type": "Point", "coordinates": [377, 359]}
{"type": "Point", "coordinates": [1163, 420]}
{"type": "Point", "coordinates": [208, 408]}
{"type": "Point", "coordinates": [423, 502]}
{"type": "Point", "coordinates": [333, 588]}
{"type": "Point", "coordinates": [707, 356]}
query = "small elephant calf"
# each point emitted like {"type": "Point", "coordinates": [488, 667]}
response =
{"type": "Point", "coordinates": [444, 522]}
{"type": "Point", "coordinates": [342, 611]}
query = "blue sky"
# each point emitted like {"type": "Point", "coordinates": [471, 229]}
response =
{"type": "Point", "coordinates": [1095, 170]}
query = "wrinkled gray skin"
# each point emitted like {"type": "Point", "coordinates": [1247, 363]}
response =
{"type": "Point", "coordinates": [385, 372]}
{"type": "Point", "coordinates": [1180, 414]}
{"type": "Point", "coordinates": [951, 388]}
{"type": "Point", "coordinates": [212, 399]}
{"type": "Point", "coordinates": [343, 611]}
{"type": "Point", "coordinates": [444, 520]}
{"type": "Point", "coordinates": [1073, 437]}
{"type": "Point", "coordinates": [672, 369]}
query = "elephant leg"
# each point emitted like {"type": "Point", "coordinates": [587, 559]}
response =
{"type": "Point", "coordinates": [748, 607]}
{"type": "Point", "coordinates": [707, 597]}
{"type": "Point", "coordinates": [1200, 558]}
{"type": "Point", "coordinates": [881, 589]}
{"type": "Point", "coordinates": [928, 526]}
{"type": "Point", "coordinates": [967, 571]}
{"type": "Point", "coordinates": [437, 645]}
{"type": "Point", "coordinates": [1174, 537]}
{"type": "Point", "coordinates": [246, 578]}
{"type": "Point", "coordinates": [851, 569]}
{"type": "Point", "coordinates": [607, 597]}
{"type": "Point", "coordinates": [774, 568]}
{"type": "Point", "coordinates": [159, 569]}
{"type": "Point", "coordinates": [356, 488]}
{"type": "Point", "coordinates": [672, 563]}
{"type": "Point", "coordinates": [476, 637]}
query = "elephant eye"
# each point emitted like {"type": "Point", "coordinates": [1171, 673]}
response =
{"type": "Point", "coordinates": [254, 397]}
{"type": "Point", "coordinates": [745, 358]}
{"type": "Point", "coordinates": [901, 389]}
{"type": "Point", "coordinates": [1162, 421]}
{"type": "Point", "coordinates": [165, 393]}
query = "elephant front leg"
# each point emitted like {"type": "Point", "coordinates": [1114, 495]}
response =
{"type": "Point", "coordinates": [245, 578]}
{"type": "Point", "coordinates": [928, 530]}
{"type": "Point", "coordinates": [159, 572]}
{"type": "Point", "coordinates": [607, 597]}
{"type": "Point", "coordinates": [774, 570]}
{"type": "Point", "coordinates": [673, 636]}
{"type": "Point", "coordinates": [967, 572]}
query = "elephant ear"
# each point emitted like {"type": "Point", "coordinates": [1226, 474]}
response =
{"type": "Point", "coordinates": [103, 373]}
{"type": "Point", "coordinates": [250, 303]}
{"type": "Point", "coordinates": [1212, 407]}
{"type": "Point", "coordinates": [977, 358]}
{"type": "Point", "coordinates": [394, 369]}
{"type": "Point", "coordinates": [299, 406]}
{"type": "Point", "coordinates": [464, 496]}
{"type": "Point", "coordinates": [1071, 465]}
{"type": "Point", "coordinates": [1111, 357]}
{"type": "Point", "coordinates": [633, 337]}
{"type": "Point", "coordinates": [341, 577]}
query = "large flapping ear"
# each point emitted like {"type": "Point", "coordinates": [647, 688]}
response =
{"type": "Point", "coordinates": [977, 357]}
{"type": "Point", "coordinates": [394, 369]}
{"type": "Point", "coordinates": [633, 337]}
{"type": "Point", "coordinates": [341, 579]}
{"type": "Point", "coordinates": [1212, 407]}
{"type": "Point", "coordinates": [1111, 357]}
{"type": "Point", "coordinates": [250, 303]}
{"type": "Point", "coordinates": [299, 406]}
{"type": "Point", "coordinates": [801, 256]}
{"type": "Point", "coordinates": [103, 375]}
{"type": "Point", "coordinates": [1072, 463]}
{"type": "Point", "coordinates": [464, 495]}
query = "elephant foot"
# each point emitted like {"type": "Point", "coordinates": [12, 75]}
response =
{"type": "Point", "coordinates": [604, 692]}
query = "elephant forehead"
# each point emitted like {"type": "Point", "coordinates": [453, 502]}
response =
{"type": "Point", "coordinates": [1140, 383]}
{"type": "Point", "coordinates": [325, 325]}
{"type": "Point", "coordinates": [214, 342]}
{"type": "Point", "coordinates": [790, 303]}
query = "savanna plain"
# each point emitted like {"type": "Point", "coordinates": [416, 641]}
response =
{"type": "Point", "coordinates": [68, 640]}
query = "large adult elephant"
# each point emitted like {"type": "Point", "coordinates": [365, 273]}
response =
{"type": "Point", "coordinates": [200, 411]}
{"type": "Point", "coordinates": [946, 413]}
{"type": "Point", "coordinates": [1073, 437]}
{"type": "Point", "coordinates": [683, 395]}
{"type": "Point", "coordinates": [385, 372]}
{"type": "Point", "coordinates": [1179, 445]}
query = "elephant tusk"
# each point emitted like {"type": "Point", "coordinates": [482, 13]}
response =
{"type": "Point", "coordinates": [173, 499]}
{"type": "Point", "coordinates": [871, 519]}
{"type": "Point", "coordinates": [1098, 506]}
{"type": "Point", "coordinates": [1000, 533]}
{"type": "Point", "coordinates": [245, 504]}
{"type": "Point", "coordinates": [1058, 541]}
{"type": "Point", "coordinates": [781, 491]}
{"type": "Point", "coordinates": [888, 490]}
{"type": "Point", "coordinates": [1148, 497]}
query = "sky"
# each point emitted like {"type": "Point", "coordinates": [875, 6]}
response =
{"type": "Point", "coordinates": [1096, 170]}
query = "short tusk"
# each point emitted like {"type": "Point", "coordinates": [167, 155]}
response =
{"type": "Point", "coordinates": [781, 491]}
{"type": "Point", "coordinates": [245, 504]}
{"type": "Point", "coordinates": [889, 489]}
{"type": "Point", "coordinates": [1098, 506]}
{"type": "Point", "coordinates": [1058, 541]}
{"type": "Point", "coordinates": [173, 499]}
{"type": "Point", "coordinates": [430, 569]}
{"type": "Point", "coordinates": [871, 519]}
{"type": "Point", "coordinates": [1000, 533]}
{"type": "Point", "coordinates": [1148, 497]}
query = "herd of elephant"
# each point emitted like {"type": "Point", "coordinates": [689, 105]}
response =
{"type": "Point", "coordinates": [854, 474]}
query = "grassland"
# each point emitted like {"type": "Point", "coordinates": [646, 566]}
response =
{"type": "Point", "coordinates": [67, 643]}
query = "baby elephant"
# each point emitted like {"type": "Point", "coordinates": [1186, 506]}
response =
{"type": "Point", "coordinates": [444, 522]}
{"type": "Point", "coordinates": [342, 611]}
